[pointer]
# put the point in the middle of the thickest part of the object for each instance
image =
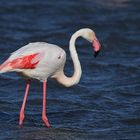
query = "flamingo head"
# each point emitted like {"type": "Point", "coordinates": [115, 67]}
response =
{"type": "Point", "coordinates": [90, 35]}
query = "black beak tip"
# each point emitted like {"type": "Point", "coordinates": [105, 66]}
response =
{"type": "Point", "coordinates": [96, 54]}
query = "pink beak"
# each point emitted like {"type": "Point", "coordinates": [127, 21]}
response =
{"type": "Point", "coordinates": [96, 47]}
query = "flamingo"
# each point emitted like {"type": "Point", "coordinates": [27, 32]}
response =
{"type": "Point", "coordinates": [40, 60]}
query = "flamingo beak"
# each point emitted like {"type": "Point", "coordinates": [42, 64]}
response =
{"type": "Point", "coordinates": [96, 47]}
{"type": "Point", "coordinates": [96, 53]}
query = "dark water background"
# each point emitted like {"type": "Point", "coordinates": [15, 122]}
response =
{"type": "Point", "coordinates": [105, 104]}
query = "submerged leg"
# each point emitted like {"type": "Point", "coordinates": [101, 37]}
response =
{"type": "Point", "coordinates": [44, 117]}
{"type": "Point", "coordinates": [21, 118]}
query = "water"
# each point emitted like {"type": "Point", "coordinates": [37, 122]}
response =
{"type": "Point", "coordinates": [105, 104]}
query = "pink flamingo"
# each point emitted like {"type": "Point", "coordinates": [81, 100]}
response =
{"type": "Point", "coordinates": [42, 60]}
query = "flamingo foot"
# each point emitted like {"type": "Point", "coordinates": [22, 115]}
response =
{"type": "Point", "coordinates": [21, 118]}
{"type": "Point", "coordinates": [45, 120]}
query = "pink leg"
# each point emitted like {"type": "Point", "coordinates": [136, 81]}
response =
{"type": "Point", "coordinates": [21, 118]}
{"type": "Point", "coordinates": [44, 117]}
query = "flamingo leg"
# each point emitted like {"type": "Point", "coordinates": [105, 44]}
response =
{"type": "Point", "coordinates": [21, 118]}
{"type": "Point", "coordinates": [44, 117]}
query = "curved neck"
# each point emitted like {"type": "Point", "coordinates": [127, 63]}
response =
{"type": "Point", "coordinates": [62, 78]}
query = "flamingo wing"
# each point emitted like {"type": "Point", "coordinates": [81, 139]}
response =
{"type": "Point", "coordinates": [25, 62]}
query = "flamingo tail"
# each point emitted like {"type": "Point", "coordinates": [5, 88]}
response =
{"type": "Point", "coordinates": [5, 67]}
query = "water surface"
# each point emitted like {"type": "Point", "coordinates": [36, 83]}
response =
{"type": "Point", "coordinates": [105, 104]}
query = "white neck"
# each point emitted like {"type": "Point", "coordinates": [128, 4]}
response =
{"type": "Point", "coordinates": [62, 78]}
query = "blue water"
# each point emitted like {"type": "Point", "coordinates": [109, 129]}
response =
{"type": "Point", "coordinates": [105, 104]}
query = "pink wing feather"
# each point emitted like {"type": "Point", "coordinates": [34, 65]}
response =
{"type": "Point", "coordinates": [24, 62]}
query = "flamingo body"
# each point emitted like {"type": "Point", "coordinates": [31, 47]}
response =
{"type": "Point", "coordinates": [36, 60]}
